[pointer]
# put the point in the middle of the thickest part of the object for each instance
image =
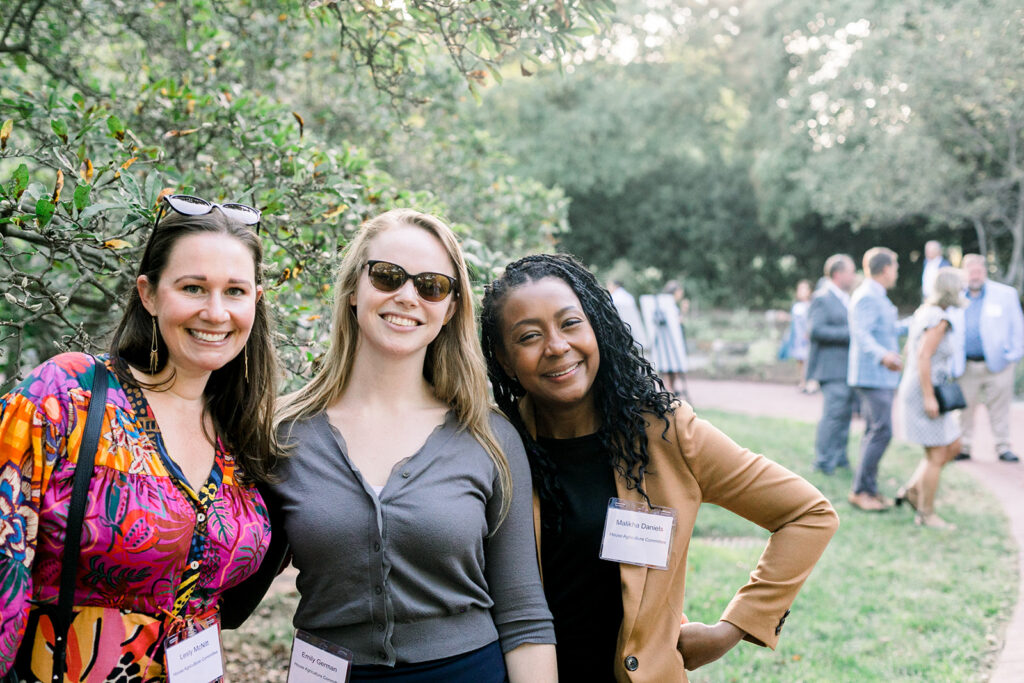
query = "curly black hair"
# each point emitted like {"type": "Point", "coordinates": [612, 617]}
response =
{"type": "Point", "coordinates": [626, 389]}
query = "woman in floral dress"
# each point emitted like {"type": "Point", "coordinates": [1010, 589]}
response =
{"type": "Point", "coordinates": [172, 518]}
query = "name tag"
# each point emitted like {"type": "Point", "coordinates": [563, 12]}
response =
{"type": "Point", "coordinates": [993, 310]}
{"type": "Point", "coordinates": [193, 653]}
{"type": "Point", "coordinates": [315, 660]}
{"type": "Point", "coordinates": [636, 534]}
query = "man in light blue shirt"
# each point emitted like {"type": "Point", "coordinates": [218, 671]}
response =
{"type": "Point", "coordinates": [874, 369]}
{"type": "Point", "coordinates": [992, 343]}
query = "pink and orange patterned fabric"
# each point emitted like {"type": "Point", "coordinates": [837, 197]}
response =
{"type": "Point", "coordinates": [150, 544]}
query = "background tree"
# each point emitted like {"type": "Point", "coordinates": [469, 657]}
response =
{"type": "Point", "coordinates": [108, 105]}
{"type": "Point", "coordinates": [894, 117]}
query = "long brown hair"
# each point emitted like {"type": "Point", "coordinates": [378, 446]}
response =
{"type": "Point", "coordinates": [454, 363]}
{"type": "Point", "coordinates": [241, 409]}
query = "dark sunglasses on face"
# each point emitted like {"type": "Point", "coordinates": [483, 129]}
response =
{"type": "Point", "coordinates": [387, 277]}
{"type": "Point", "coordinates": [187, 205]}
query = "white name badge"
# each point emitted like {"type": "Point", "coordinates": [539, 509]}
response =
{"type": "Point", "coordinates": [194, 655]}
{"type": "Point", "coordinates": [637, 534]}
{"type": "Point", "coordinates": [993, 310]}
{"type": "Point", "coordinates": [315, 660]}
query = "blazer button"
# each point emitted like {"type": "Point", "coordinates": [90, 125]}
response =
{"type": "Point", "coordinates": [632, 663]}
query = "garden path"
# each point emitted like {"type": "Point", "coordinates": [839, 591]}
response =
{"type": "Point", "coordinates": [1005, 481]}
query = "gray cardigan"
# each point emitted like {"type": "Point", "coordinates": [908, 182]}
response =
{"type": "Point", "coordinates": [413, 575]}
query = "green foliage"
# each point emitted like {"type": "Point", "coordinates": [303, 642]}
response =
{"type": "Point", "coordinates": [113, 106]}
{"type": "Point", "coordinates": [895, 114]}
{"type": "Point", "coordinates": [736, 145]}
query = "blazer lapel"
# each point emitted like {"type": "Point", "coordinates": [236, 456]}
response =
{"type": "Point", "coordinates": [633, 577]}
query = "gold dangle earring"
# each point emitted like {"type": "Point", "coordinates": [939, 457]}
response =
{"type": "Point", "coordinates": [245, 358]}
{"type": "Point", "coordinates": [154, 352]}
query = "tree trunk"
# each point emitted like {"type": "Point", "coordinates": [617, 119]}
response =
{"type": "Point", "coordinates": [979, 230]}
{"type": "Point", "coordinates": [1015, 270]}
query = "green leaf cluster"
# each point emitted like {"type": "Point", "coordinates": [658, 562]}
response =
{"type": "Point", "coordinates": [300, 109]}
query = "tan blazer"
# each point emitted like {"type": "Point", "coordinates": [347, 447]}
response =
{"type": "Point", "coordinates": [695, 463]}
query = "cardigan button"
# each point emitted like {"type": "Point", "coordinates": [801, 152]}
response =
{"type": "Point", "coordinates": [632, 663]}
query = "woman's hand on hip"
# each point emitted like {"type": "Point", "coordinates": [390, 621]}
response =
{"type": "Point", "coordinates": [701, 644]}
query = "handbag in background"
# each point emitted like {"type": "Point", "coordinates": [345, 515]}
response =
{"type": "Point", "coordinates": [950, 397]}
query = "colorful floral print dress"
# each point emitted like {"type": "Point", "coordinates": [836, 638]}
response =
{"type": "Point", "coordinates": [150, 544]}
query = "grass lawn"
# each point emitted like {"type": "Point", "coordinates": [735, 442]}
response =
{"type": "Point", "coordinates": [889, 601]}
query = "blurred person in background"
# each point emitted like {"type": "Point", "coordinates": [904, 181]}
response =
{"type": "Point", "coordinates": [828, 362]}
{"type": "Point", "coordinates": [930, 351]}
{"type": "Point", "coordinates": [933, 261]}
{"type": "Point", "coordinates": [992, 345]}
{"type": "Point", "coordinates": [874, 370]}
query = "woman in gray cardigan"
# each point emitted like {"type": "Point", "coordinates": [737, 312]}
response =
{"type": "Point", "coordinates": [406, 499]}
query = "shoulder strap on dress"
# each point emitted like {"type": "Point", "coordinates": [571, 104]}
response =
{"type": "Point", "coordinates": [76, 515]}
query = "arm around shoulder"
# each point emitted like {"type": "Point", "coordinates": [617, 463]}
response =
{"type": "Point", "coordinates": [239, 602]}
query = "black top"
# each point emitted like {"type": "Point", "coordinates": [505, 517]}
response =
{"type": "Point", "coordinates": [583, 591]}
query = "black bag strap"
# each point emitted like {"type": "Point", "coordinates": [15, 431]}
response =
{"type": "Point", "coordinates": [76, 516]}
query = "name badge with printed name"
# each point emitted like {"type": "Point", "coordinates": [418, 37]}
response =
{"type": "Point", "coordinates": [637, 534]}
{"type": "Point", "coordinates": [315, 660]}
{"type": "Point", "coordinates": [193, 653]}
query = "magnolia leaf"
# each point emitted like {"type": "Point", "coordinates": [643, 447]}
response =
{"type": "Point", "coordinates": [81, 197]}
{"type": "Point", "coordinates": [337, 211]}
{"type": "Point", "coordinates": [20, 176]}
{"type": "Point", "coordinates": [44, 211]}
{"type": "Point", "coordinates": [86, 170]}
{"type": "Point", "coordinates": [60, 129]}
{"type": "Point", "coordinates": [179, 133]}
{"type": "Point", "coordinates": [167, 191]}
{"type": "Point", "coordinates": [116, 244]}
{"type": "Point", "coordinates": [5, 132]}
{"type": "Point", "coordinates": [116, 127]}
{"type": "Point", "coordinates": [94, 209]}
{"type": "Point", "coordinates": [125, 166]}
{"type": "Point", "coordinates": [58, 186]}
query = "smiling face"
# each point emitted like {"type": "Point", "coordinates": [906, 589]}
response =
{"type": "Point", "coordinates": [204, 302]}
{"type": "Point", "coordinates": [401, 323]}
{"type": "Point", "coordinates": [549, 346]}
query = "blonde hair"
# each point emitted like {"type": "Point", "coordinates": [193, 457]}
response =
{"type": "Point", "coordinates": [948, 288]}
{"type": "Point", "coordinates": [454, 363]}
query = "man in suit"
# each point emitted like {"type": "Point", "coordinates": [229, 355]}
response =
{"type": "Point", "coordinates": [933, 260]}
{"type": "Point", "coordinates": [828, 361]}
{"type": "Point", "coordinates": [992, 343]}
{"type": "Point", "coordinates": [874, 369]}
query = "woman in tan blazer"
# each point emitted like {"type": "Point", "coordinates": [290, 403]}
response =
{"type": "Point", "coordinates": [599, 426]}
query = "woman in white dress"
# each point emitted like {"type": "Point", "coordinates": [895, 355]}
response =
{"type": "Point", "coordinates": [929, 363]}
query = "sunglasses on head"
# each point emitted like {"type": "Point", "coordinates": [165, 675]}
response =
{"type": "Point", "coordinates": [387, 277]}
{"type": "Point", "coordinates": [187, 205]}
